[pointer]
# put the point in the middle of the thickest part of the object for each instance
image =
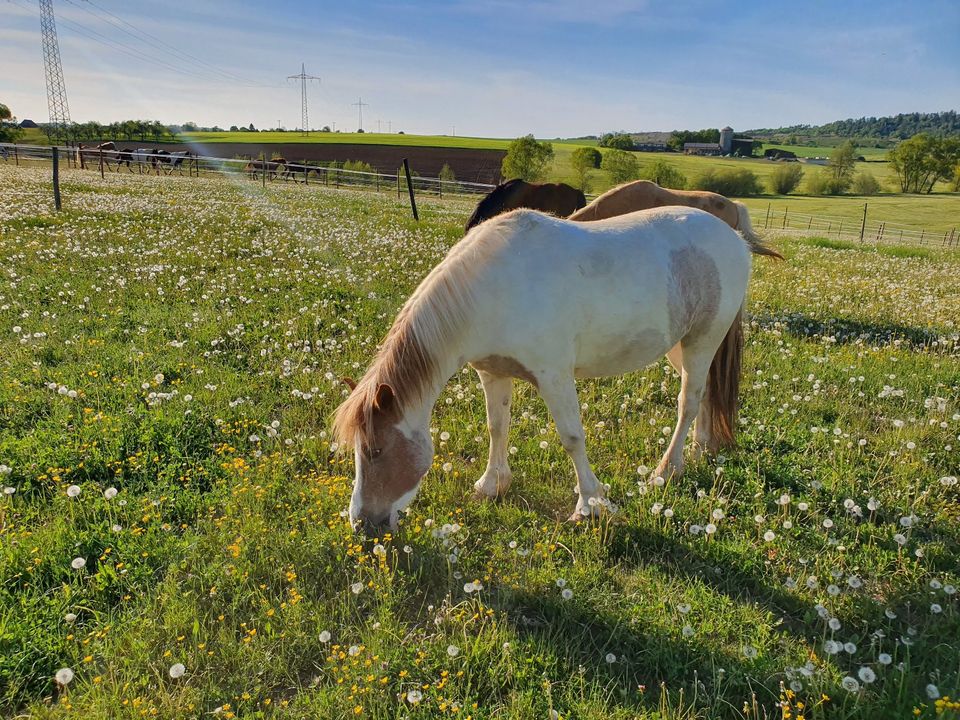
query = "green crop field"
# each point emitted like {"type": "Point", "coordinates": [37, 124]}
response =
{"type": "Point", "coordinates": [172, 532]}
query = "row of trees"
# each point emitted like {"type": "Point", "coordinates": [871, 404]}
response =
{"type": "Point", "coordinates": [924, 160]}
{"type": "Point", "coordinates": [902, 126]}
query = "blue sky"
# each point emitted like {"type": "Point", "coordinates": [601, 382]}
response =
{"type": "Point", "coordinates": [490, 67]}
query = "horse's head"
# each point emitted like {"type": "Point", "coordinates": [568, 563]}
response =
{"type": "Point", "coordinates": [392, 455]}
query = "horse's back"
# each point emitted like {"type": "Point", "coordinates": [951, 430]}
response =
{"type": "Point", "coordinates": [613, 295]}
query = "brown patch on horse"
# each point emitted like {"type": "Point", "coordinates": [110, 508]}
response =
{"type": "Point", "coordinates": [385, 482]}
{"type": "Point", "coordinates": [694, 292]}
{"type": "Point", "coordinates": [502, 366]}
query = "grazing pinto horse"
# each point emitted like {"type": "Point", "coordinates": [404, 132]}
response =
{"type": "Point", "coordinates": [643, 194]}
{"type": "Point", "coordinates": [529, 296]}
{"type": "Point", "coordinates": [555, 198]}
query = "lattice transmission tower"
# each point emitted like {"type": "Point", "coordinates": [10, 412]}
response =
{"type": "Point", "coordinates": [56, 88]}
{"type": "Point", "coordinates": [303, 77]}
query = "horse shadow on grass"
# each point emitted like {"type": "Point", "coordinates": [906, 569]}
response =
{"type": "Point", "coordinates": [845, 331]}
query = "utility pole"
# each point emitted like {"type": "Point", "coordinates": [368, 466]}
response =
{"type": "Point", "coordinates": [56, 89]}
{"type": "Point", "coordinates": [303, 77]}
{"type": "Point", "coordinates": [360, 104]}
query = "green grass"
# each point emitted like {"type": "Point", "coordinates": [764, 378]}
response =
{"type": "Point", "coordinates": [181, 340]}
{"type": "Point", "coordinates": [367, 138]}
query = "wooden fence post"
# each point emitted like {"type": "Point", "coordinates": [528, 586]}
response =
{"type": "Point", "coordinates": [863, 225]}
{"type": "Point", "coordinates": [413, 201]}
{"type": "Point", "coordinates": [923, 231]}
{"type": "Point", "coordinates": [305, 171]}
{"type": "Point", "coordinates": [16, 155]}
{"type": "Point", "coordinates": [784, 217]}
{"type": "Point", "coordinates": [101, 162]}
{"type": "Point", "coordinates": [839, 229]}
{"type": "Point", "coordinates": [766, 222]}
{"type": "Point", "coordinates": [263, 170]}
{"type": "Point", "coordinates": [398, 183]}
{"type": "Point", "coordinates": [56, 177]}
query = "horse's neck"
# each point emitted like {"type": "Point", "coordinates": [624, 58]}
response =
{"type": "Point", "coordinates": [417, 409]}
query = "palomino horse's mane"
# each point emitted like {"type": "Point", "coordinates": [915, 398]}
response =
{"type": "Point", "coordinates": [493, 203]}
{"type": "Point", "coordinates": [432, 320]}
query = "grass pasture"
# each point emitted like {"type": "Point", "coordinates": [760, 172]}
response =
{"type": "Point", "coordinates": [172, 531]}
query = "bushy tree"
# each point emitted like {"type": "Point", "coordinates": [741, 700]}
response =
{"type": "Point", "coordinates": [8, 132]}
{"type": "Point", "coordinates": [583, 160]}
{"type": "Point", "coordinates": [732, 182]}
{"type": "Point", "coordinates": [665, 175]}
{"type": "Point", "coordinates": [616, 141]}
{"type": "Point", "coordinates": [864, 183]}
{"type": "Point", "coordinates": [840, 168]}
{"type": "Point", "coordinates": [447, 174]}
{"type": "Point", "coordinates": [527, 159]}
{"type": "Point", "coordinates": [923, 160]}
{"type": "Point", "coordinates": [785, 178]}
{"type": "Point", "coordinates": [622, 166]}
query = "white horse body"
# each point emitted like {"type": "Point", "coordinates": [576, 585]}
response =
{"type": "Point", "coordinates": [546, 300]}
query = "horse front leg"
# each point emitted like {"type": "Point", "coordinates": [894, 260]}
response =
{"type": "Point", "coordinates": [559, 392]}
{"type": "Point", "coordinates": [496, 479]}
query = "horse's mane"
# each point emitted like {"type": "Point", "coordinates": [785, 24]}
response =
{"type": "Point", "coordinates": [433, 319]}
{"type": "Point", "coordinates": [492, 204]}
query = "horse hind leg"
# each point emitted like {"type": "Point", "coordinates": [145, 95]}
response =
{"type": "Point", "coordinates": [560, 395]}
{"type": "Point", "coordinates": [497, 478]}
{"type": "Point", "coordinates": [694, 359]}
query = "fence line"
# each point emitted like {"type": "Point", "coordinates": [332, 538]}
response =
{"type": "Point", "coordinates": [859, 230]}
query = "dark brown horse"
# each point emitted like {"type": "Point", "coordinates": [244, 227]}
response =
{"type": "Point", "coordinates": [556, 198]}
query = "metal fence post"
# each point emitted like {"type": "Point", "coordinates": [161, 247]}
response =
{"type": "Point", "coordinates": [413, 201]}
{"type": "Point", "coordinates": [56, 177]}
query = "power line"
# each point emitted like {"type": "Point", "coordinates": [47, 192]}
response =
{"type": "Point", "coordinates": [155, 41]}
{"type": "Point", "coordinates": [303, 77]}
{"type": "Point", "coordinates": [360, 104]}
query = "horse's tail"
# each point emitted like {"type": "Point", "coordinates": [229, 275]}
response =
{"type": "Point", "coordinates": [723, 385]}
{"type": "Point", "coordinates": [745, 228]}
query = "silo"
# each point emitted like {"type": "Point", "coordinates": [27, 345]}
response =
{"type": "Point", "coordinates": [726, 140]}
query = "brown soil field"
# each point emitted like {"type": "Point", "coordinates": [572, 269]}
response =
{"type": "Point", "coordinates": [480, 166]}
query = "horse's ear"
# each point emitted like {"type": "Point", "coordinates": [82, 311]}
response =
{"type": "Point", "coordinates": [384, 398]}
{"type": "Point", "coordinates": [349, 382]}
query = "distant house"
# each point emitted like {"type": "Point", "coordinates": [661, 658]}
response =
{"type": "Point", "coordinates": [692, 148]}
{"type": "Point", "coordinates": [28, 124]}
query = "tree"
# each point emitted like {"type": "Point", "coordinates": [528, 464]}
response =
{"type": "Point", "coordinates": [622, 166]}
{"type": "Point", "coordinates": [447, 174]}
{"type": "Point", "coordinates": [864, 183]}
{"type": "Point", "coordinates": [252, 128]}
{"type": "Point", "coordinates": [189, 126]}
{"type": "Point", "coordinates": [918, 163]}
{"type": "Point", "coordinates": [732, 182]}
{"type": "Point", "coordinates": [785, 178]}
{"type": "Point", "coordinates": [840, 168]}
{"type": "Point", "coordinates": [234, 128]}
{"type": "Point", "coordinates": [616, 141]}
{"type": "Point", "coordinates": [526, 159]}
{"type": "Point", "coordinates": [9, 132]}
{"type": "Point", "coordinates": [584, 160]}
{"type": "Point", "coordinates": [665, 175]}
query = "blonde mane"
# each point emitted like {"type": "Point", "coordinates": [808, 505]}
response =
{"type": "Point", "coordinates": [432, 320]}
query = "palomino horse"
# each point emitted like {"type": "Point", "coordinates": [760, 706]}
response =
{"type": "Point", "coordinates": [555, 198]}
{"type": "Point", "coordinates": [529, 296]}
{"type": "Point", "coordinates": [643, 194]}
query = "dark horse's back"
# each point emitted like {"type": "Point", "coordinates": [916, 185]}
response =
{"type": "Point", "coordinates": [556, 198]}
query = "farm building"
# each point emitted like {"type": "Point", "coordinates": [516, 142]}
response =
{"type": "Point", "coordinates": [728, 145]}
{"type": "Point", "coordinates": [693, 148]}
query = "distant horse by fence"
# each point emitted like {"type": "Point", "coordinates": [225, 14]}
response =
{"type": "Point", "coordinates": [556, 198]}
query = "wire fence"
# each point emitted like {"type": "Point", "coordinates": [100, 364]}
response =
{"type": "Point", "coordinates": [863, 229]}
{"type": "Point", "coordinates": [150, 161]}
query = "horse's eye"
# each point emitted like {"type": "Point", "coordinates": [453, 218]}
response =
{"type": "Point", "coordinates": [375, 453]}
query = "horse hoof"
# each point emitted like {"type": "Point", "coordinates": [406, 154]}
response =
{"type": "Point", "coordinates": [483, 497]}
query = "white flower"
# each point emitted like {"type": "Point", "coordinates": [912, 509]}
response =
{"type": "Point", "coordinates": [78, 562]}
{"type": "Point", "coordinates": [687, 631]}
{"type": "Point", "coordinates": [710, 529]}
{"type": "Point", "coordinates": [884, 659]}
{"type": "Point", "coordinates": [414, 696]}
{"type": "Point", "coordinates": [453, 650]}
{"type": "Point", "coordinates": [566, 594]}
{"type": "Point", "coordinates": [933, 692]}
{"type": "Point", "coordinates": [833, 590]}
{"type": "Point", "coordinates": [379, 550]}
{"type": "Point", "coordinates": [561, 583]}
{"type": "Point", "coordinates": [7, 490]}
{"type": "Point", "coordinates": [718, 514]}
{"type": "Point", "coordinates": [64, 676]}
{"type": "Point", "coordinates": [683, 608]}
{"type": "Point", "coordinates": [850, 684]}
{"type": "Point", "coordinates": [849, 648]}
{"type": "Point", "coordinates": [73, 491]}
{"type": "Point", "coordinates": [544, 444]}
{"type": "Point", "coordinates": [610, 658]}
{"type": "Point", "coordinates": [177, 670]}
{"type": "Point", "coordinates": [110, 493]}
{"type": "Point", "coordinates": [936, 609]}
{"type": "Point", "coordinates": [769, 535]}
{"type": "Point", "coordinates": [834, 624]}
{"type": "Point", "coordinates": [832, 647]}
{"type": "Point", "coordinates": [353, 650]}
{"type": "Point", "coordinates": [70, 617]}
{"type": "Point", "coordinates": [854, 582]}
{"type": "Point", "coordinates": [866, 675]}
{"type": "Point", "coordinates": [749, 651]}
{"type": "Point", "coordinates": [324, 636]}
{"type": "Point", "coordinates": [356, 588]}
{"type": "Point", "coordinates": [900, 539]}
